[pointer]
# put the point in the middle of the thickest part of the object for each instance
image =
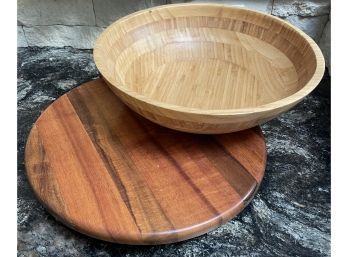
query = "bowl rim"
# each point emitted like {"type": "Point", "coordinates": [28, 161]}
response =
{"type": "Point", "coordinates": [286, 101]}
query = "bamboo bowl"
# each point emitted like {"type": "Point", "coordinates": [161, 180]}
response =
{"type": "Point", "coordinates": [207, 68]}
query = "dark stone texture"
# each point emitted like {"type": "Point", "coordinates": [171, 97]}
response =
{"type": "Point", "coordinates": [290, 215]}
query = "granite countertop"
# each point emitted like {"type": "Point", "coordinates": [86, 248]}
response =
{"type": "Point", "coordinates": [289, 216]}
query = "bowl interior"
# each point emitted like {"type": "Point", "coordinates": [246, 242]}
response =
{"type": "Point", "coordinates": [206, 57]}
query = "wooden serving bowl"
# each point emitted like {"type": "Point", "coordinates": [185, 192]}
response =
{"type": "Point", "coordinates": [207, 68]}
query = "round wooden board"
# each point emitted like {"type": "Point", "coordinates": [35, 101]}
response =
{"type": "Point", "coordinates": [106, 172]}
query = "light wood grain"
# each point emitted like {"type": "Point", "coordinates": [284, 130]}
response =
{"type": "Point", "coordinates": [207, 68]}
{"type": "Point", "coordinates": [107, 172]}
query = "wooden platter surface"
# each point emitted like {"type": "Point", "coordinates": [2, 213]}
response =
{"type": "Point", "coordinates": [105, 171]}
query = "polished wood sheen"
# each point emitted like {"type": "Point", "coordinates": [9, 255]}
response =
{"type": "Point", "coordinates": [208, 68]}
{"type": "Point", "coordinates": [109, 173]}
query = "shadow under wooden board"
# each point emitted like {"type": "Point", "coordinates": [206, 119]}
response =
{"type": "Point", "coordinates": [107, 172]}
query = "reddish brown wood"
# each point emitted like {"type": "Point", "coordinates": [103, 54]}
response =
{"type": "Point", "coordinates": [109, 173]}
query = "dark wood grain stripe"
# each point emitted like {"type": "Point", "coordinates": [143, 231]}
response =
{"type": "Point", "coordinates": [181, 171]}
{"type": "Point", "coordinates": [68, 133]}
{"type": "Point", "coordinates": [41, 176]}
{"type": "Point", "coordinates": [251, 140]}
{"type": "Point", "coordinates": [240, 179]}
{"type": "Point", "coordinates": [88, 119]}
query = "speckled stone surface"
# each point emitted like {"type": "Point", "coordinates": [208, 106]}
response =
{"type": "Point", "coordinates": [290, 215]}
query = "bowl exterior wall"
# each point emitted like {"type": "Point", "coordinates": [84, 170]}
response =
{"type": "Point", "coordinates": [198, 123]}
